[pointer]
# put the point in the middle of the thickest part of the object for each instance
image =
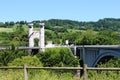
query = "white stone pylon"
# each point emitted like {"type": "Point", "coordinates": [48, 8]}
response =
{"type": "Point", "coordinates": [36, 34]}
{"type": "Point", "coordinates": [42, 37]}
{"type": "Point", "coordinates": [31, 42]}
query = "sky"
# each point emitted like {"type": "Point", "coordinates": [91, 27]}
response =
{"type": "Point", "coordinates": [78, 10]}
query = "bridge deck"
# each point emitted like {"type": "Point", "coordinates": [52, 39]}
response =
{"type": "Point", "coordinates": [100, 46]}
{"type": "Point", "coordinates": [80, 46]}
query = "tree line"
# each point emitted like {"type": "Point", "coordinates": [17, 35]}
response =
{"type": "Point", "coordinates": [63, 25]}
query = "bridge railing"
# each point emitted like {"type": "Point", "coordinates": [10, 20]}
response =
{"type": "Point", "coordinates": [84, 68]}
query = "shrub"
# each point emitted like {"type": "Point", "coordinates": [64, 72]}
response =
{"type": "Point", "coordinates": [58, 57]}
{"type": "Point", "coordinates": [106, 75]}
{"type": "Point", "coordinates": [28, 60]}
{"type": "Point", "coordinates": [7, 56]}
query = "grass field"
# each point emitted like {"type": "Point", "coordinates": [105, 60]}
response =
{"type": "Point", "coordinates": [6, 29]}
{"type": "Point", "coordinates": [11, 29]}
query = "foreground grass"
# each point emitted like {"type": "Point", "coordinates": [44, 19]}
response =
{"type": "Point", "coordinates": [104, 75]}
{"type": "Point", "coordinates": [34, 75]}
{"type": "Point", "coordinates": [50, 75]}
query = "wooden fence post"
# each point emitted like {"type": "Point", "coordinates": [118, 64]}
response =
{"type": "Point", "coordinates": [77, 74]}
{"type": "Point", "coordinates": [85, 72]}
{"type": "Point", "coordinates": [25, 72]}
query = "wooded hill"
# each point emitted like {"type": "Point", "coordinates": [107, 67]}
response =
{"type": "Point", "coordinates": [102, 24]}
{"type": "Point", "coordinates": [62, 25]}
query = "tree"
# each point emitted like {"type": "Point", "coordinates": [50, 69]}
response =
{"type": "Point", "coordinates": [7, 56]}
{"type": "Point", "coordinates": [2, 24]}
{"type": "Point", "coordinates": [88, 37]}
{"type": "Point", "coordinates": [11, 23]}
{"type": "Point", "coordinates": [28, 60]}
{"type": "Point", "coordinates": [58, 57]}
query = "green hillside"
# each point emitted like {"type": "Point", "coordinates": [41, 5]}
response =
{"type": "Point", "coordinates": [102, 32]}
{"type": "Point", "coordinates": [62, 25]}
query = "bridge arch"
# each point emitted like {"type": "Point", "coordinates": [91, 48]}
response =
{"type": "Point", "coordinates": [106, 53]}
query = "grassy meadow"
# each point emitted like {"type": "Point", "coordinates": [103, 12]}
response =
{"type": "Point", "coordinates": [34, 75]}
{"type": "Point", "coordinates": [6, 29]}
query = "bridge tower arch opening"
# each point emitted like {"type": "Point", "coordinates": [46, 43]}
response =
{"type": "Point", "coordinates": [36, 41]}
{"type": "Point", "coordinates": [36, 34]}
